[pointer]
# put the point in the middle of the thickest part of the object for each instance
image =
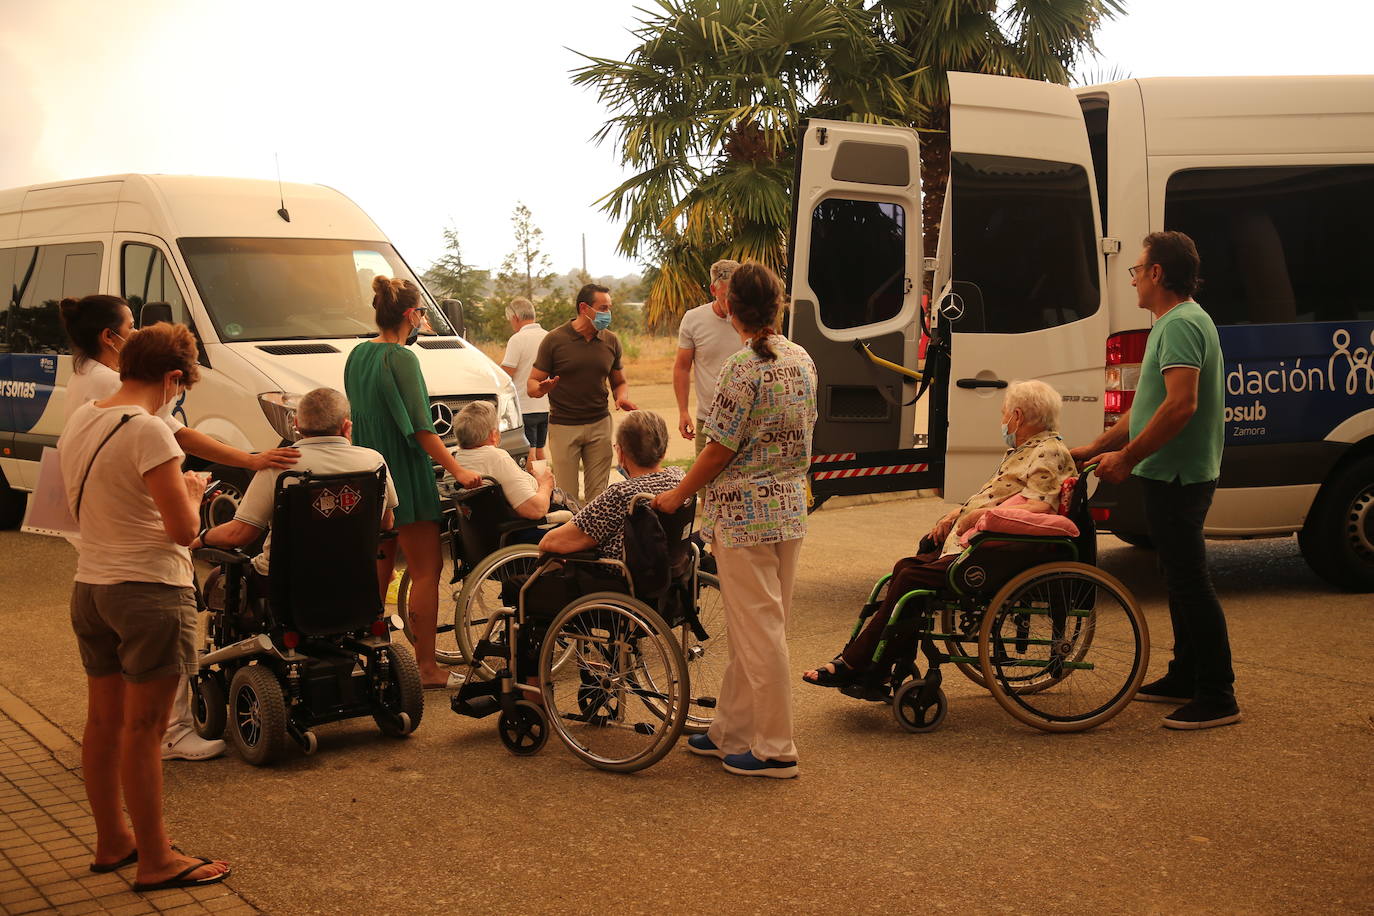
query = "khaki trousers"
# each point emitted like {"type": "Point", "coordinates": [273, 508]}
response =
{"type": "Point", "coordinates": [585, 448]}
{"type": "Point", "coordinates": [699, 442]}
{"type": "Point", "coordinates": [754, 710]}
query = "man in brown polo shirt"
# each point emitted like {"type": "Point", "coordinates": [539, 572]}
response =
{"type": "Point", "coordinates": [572, 368]}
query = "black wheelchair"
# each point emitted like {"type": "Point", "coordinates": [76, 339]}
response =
{"type": "Point", "coordinates": [1061, 645]}
{"type": "Point", "coordinates": [307, 644]}
{"type": "Point", "coordinates": [586, 646]}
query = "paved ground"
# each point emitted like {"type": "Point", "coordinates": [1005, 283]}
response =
{"type": "Point", "coordinates": [1272, 815]}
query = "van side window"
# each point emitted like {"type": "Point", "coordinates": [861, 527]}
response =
{"type": "Point", "coordinates": [39, 282]}
{"type": "Point", "coordinates": [858, 261]}
{"type": "Point", "coordinates": [1023, 235]}
{"type": "Point", "coordinates": [8, 293]}
{"type": "Point", "coordinates": [146, 277]}
{"type": "Point", "coordinates": [1278, 244]}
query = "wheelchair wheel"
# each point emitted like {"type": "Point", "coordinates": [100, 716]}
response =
{"type": "Point", "coordinates": [448, 649]}
{"type": "Point", "coordinates": [400, 698]}
{"type": "Point", "coordinates": [257, 715]}
{"type": "Point", "coordinates": [705, 658]}
{"type": "Point", "coordinates": [524, 731]}
{"type": "Point", "coordinates": [490, 588]}
{"type": "Point", "coordinates": [209, 708]}
{"type": "Point", "coordinates": [917, 709]}
{"type": "Point", "coordinates": [618, 697]}
{"type": "Point", "coordinates": [1063, 647]}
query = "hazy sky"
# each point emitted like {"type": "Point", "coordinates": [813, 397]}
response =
{"type": "Point", "coordinates": [428, 113]}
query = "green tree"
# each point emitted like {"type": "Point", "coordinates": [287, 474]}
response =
{"type": "Point", "coordinates": [527, 268]}
{"type": "Point", "coordinates": [706, 109]}
{"type": "Point", "coordinates": [452, 277]}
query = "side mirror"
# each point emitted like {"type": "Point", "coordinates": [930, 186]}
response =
{"type": "Point", "coordinates": [453, 311]}
{"type": "Point", "coordinates": [154, 313]}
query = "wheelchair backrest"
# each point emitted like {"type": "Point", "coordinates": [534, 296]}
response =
{"type": "Point", "coordinates": [1080, 513]}
{"type": "Point", "coordinates": [481, 512]}
{"type": "Point", "coordinates": [325, 528]}
{"type": "Point", "coordinates": [658, 549]}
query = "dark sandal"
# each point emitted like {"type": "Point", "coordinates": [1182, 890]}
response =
{"type": "Point", "coordinates": [842, 676]}
{"type": "Point", "coordinates": [130, 859]}
{"type": "Point", "coordinates": [180, 879]}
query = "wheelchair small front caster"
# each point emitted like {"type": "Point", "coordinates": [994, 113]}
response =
{"type": "Point", "coordinates": [524, 730]}
{"type": "Point", "coordinates": [917, 709]}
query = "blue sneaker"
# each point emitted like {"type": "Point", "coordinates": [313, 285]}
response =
{"type": "Point", "coordinates": [747, 764]}
{"type": "Point", "coordinates": [704, 746]}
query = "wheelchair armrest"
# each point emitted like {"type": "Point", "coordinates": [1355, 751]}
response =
{"type": "Point", "coordinates": [390, 535]}
{"type": "Point", "coordinates": [221, 557]}
{"type": "Point", "coordinates": [582, 555]}
{"type": "Point", "coordinates": [997, 537]}
{"type": "Point", "coordinates": [557, 517]}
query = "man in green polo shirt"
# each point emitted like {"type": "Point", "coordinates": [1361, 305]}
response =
{"type": "Point", "coordinates": [573, 367]}
{"type": "Point", "coordinates": [1171, 438]}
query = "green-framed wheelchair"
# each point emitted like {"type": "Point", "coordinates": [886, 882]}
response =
{"type": "Point", "coordinates": [1060, 644]}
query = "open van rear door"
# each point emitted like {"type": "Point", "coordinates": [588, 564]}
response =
{"type": "Point", "coordinates": [1021, 266]}
{"type": "Point", "coordinates": [855, 277]}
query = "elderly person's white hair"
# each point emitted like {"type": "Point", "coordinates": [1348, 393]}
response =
{"type": "Point", "coordinates": [321, 412]}
{"type": "Point", "coordinates": [722, 271]}
{"type": "Point", "coordinates": [474, 424]}
{"type": "Point", "coordinates": [1039, 403]}
{"type": "Point", "coordinates": [521, 309]}
{"type": "Point", "coordinates": [643, 437]}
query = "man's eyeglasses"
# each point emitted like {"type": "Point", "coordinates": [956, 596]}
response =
{"type": "Point", "coordinates": [1132, 270]}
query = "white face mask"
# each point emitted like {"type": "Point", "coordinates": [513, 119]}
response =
{"type": "Point", "coordinates": [170, 403]}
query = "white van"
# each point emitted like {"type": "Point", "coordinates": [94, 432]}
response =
{"type": "Point", "coordinates": [1272, 177]}
{"type": "Point", "coordinates": [275, 281]}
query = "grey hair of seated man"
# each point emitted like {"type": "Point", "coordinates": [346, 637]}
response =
{"type": "Point", "coordinates": [1038, 402]}
{"type": "Point", "coordinates": [643, 438]}
{"type": "Point", "coordinates": [321, 412]}
{"type": "Point", "coordinates": [474, 424]}
{"type": "Point", "coordinates": [520, 309]}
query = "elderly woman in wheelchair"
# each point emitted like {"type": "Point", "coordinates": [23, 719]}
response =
{"type": "Point", "coordinates": [579, 635]}
{"type": "Point", "coordinates": [982, 568]}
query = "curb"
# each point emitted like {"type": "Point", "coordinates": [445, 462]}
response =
{"type": "Point", "coordinates": [57, 742]}
{"type": "Point", "coordinates": [869, 499]}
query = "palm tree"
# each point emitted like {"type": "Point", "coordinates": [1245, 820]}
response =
{"type": "Point", "coordinates": [706, 110]}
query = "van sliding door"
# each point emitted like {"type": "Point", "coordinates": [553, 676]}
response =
{"type": "Point", "coordinates": [856, 279]}
{"type": "Point", "coordinates": [1021, 279]}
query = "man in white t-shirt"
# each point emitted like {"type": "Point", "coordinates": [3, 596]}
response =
{"type": "Point", "coordinates": [322, 420]}
{"type": "Point", "coordinates": [519, 359]}
{"type": "Point", "coordinates": [528, 495]}
{"type": "Point", "coordinates": [704, 340]}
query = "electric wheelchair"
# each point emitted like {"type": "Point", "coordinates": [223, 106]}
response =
{"type": "Point", "coordinates": [1061, 645]}
{"type": "Point", "coordinates": [308, 643]}
{"type": "Point", "coordinates": [593, 640]}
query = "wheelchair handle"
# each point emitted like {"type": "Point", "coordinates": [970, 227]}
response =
{"type": "Point", "coordinates": [1089, 468]}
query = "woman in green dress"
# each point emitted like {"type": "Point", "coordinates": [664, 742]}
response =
{"type": "Point", "coordinates": [391, 414]}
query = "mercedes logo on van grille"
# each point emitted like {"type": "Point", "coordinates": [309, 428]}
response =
{"type": "Point", "coordinates": [442, 416]}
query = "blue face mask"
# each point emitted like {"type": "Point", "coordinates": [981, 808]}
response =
{"type": "Point", "coordinates": [601, 320]}
{"type": "Point", "coordinates": [1008, 437]}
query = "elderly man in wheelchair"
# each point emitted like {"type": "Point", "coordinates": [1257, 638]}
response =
{"type": "Point", "coordinates": [579, 638]}
{"type": "Point", "coordinates": [1001, 572]}
{"type": "Point", "coordinates": [297, 637]}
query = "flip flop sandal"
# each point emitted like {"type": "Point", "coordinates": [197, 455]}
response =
{"type": "Point", "coordinates": [842, 676]}
{"type": "Point", "coordinates": [130, 859]}
{"type": "Point", "coordinates": [180, 879]}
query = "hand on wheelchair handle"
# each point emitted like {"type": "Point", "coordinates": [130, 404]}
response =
{"type": "Point", "coordinates": [668, 502]}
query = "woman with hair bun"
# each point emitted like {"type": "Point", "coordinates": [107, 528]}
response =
{"type": "Point", "coordinates": [391, 415]}
{"type": "Point", "coordinates": [754, 471]}
{"type": "Point", "coordinates": [99, 327]}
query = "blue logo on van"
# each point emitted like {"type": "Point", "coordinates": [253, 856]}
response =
{"type": "Point", "coordinates": [26, 384]}
{"type": "Point", "coordinates": [1295, 382]}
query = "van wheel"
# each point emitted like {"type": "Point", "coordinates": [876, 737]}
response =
{"type": "Point", "coordinates": [225, 492]}
{"type": "Point", "coordinates": [1338, 539]}
{"type": "Point", "coordinates": [1134, 539]}
{"type": "Point", "coordinates": [12, 504]}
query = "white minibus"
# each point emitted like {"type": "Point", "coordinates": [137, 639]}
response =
{"type": "Point", "coordinates": [1051, 191]}
{"type": "Point", "coordinates": [275, 281]}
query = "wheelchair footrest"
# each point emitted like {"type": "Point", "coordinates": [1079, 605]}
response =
{"type": "Point", "coordinates": [873, 693]}
{"type": "Point", "coordinates": [477, 707]}
{"type": "Point", "coordinates": [487, 648]}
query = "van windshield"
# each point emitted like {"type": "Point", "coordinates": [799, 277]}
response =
{"type": "Point", "coordinates": [295, 289]}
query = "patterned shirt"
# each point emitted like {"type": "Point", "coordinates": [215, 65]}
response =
{"type": "Point", "coordinates": [1036, 469]}
{"type": "Point", "coordinates": [604, 517]}
{"type": "Point", "coordinates": [764, 411]}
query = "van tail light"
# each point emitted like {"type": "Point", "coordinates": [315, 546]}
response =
{"type": "Point", "coordinates": [1125, 353]}
{"type": "Point", "coordinates": [1100, 515]}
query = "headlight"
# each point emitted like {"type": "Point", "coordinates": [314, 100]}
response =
{"type": "Point", "coordinates": [510, 413]}
{"type": "Point", "coordinates": [279, 407]}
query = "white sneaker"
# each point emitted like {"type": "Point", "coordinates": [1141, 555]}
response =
{"type": "Point", "coordinates": [184, 744]}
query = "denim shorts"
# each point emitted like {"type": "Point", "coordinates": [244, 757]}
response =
{"type": "Point", "coordinates": [536, 429]}
{"type": "Point", "coordinates": [142, 630]}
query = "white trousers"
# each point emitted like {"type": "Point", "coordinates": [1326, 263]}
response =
{"type": "Point", "coordinates": [754, 710]}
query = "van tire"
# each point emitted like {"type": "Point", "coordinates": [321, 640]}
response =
{"type": "Point", "coordinates": [1338, 539]}
{"type": "Point", "coordinates": [12, 503]}
{"type": "Point", "coordinates": [1135, 539]}
{"type": "Point", "coordinates": [227, 486]}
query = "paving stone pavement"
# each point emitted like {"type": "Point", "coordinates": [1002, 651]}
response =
{"type": "Point", "coordinates": [47, 841]}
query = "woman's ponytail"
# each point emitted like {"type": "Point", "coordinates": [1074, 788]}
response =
{"type": "Point", "coordinates": [755, 296]}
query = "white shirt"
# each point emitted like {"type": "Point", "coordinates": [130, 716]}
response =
{"type": "Point", "coordinates": [496, 463]}
{"type": "Point", "coordinates": [95, 381]}
{"type": "Point", "coordinates": [121, 530]}
{"type": "Point", "coordinates": [520, 352]}
{"type": "Point", "coordinates": [320, 455]}
{"type": "Point", "coordinates": [713, 339]}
